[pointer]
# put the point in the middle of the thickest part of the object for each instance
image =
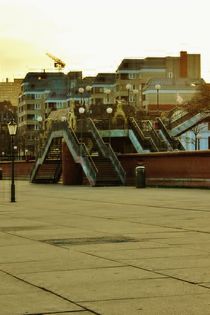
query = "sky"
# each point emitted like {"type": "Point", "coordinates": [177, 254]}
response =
{"type": "Point", "coordinates": [94, 35]}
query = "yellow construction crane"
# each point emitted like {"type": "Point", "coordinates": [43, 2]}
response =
{"type": "Point", "coordinates": [58, 63]}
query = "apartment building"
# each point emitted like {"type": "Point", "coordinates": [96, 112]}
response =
{"type": "Point", "coordinates": [41, 92]}
{"type": "Point", "coordinates": [134, 78]}
{"type": "Point", "coordinates": [104, 89]}
{"type": "Point", "coordinates": [10, 90]}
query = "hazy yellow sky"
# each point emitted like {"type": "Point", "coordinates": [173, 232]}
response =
{"type": "Point", "coordinates": [95, 35]}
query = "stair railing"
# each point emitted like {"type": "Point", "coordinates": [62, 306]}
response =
{"type": "Point", "coordinates": [106, 150]}
{"type": "Point", "coordinates": [186, 117]}
{"type": "Point", "coordinates": [149, 131]}
{"type": "Point", "coordinates": [60, 129]}
{"type": "Point", "coordinates": [174, 143]}
{"type": "Point", "coordinates": [139, 132]}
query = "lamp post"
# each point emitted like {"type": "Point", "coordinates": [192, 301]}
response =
{"type": "Point", "coordinates": [197, 141]}
{"type": "Point", "coordinates": [3, 154]}
{"type": "Point", "coordinates": [38, 138]}
{"type": "Point", "coordinates": [107, 92]}
{"type": "Point", "coordinates": [109, 111]}
{"type": "Point", "coordinates": [136, 92]}
{"type": "Point", "coordinates": [88, 89]}
{"type": "Point", "coordinates": [157, 87]}
{"type": "Point", "coordinates": [81, 91]}
{"type": "Point", "coordinates": [26, 154]}
{"type": "Point", "coordinates": [12, 127]}
{"type": "Point", "coordinates": [81, 112]}
{"type": "Point", "coordinates": [128, 88]}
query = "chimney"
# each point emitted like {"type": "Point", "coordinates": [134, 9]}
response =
{"type": "Point", "coordinates": [183, 64]}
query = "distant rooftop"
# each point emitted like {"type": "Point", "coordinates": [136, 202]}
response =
{"type": "Point", "coordinates": [137, 64]}
{"type": "Point", "coordinates": [105, 78]}
{"type": "Point", "coordinates": [39, 81]}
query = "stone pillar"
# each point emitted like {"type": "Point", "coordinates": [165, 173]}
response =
{"type": "Point", "coordinates": [71, 171]}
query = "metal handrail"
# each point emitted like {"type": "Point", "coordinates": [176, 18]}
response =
{"type": "Point", "coordinates": [175, 143]}
{"type": "Point", "coordinates": [78, 147]}
{"type": "Point", "coordinates": [107, 150]}
{"type": "Point", "coordinates": [185, 117]}
{"type": "Point", "coordinates": [160, 143]}
{"type": "Point", "coordinates": [141, 133]}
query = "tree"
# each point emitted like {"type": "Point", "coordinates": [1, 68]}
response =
{"type": "Point", "coordinates": [201, 101]}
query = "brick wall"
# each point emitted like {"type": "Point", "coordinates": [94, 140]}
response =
{"type": "Point", "coordinates": [180, 169]}
{"type": "Point", "coordinates": [22, 169]}
{"type": "Point", "coordinates": [176, 169]}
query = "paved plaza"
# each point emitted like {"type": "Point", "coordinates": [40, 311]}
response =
{"type": "Point", "coordinates": [104, 250]}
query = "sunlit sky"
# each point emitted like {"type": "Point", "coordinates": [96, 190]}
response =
{"type": "Point", "coordinates": [95, 35]}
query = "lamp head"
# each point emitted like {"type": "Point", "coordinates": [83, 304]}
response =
{"type": "Point", "coordinates": [128, 86]}
{"type": "Point", "coordinates": [157, 86]}
{"type": "Point", "coordinates": [109, 110]}
{"type": "Point", "coordinates": [81, 90]}
{"type": "Point", "coordinates": [12, 127]}
{"type": "Point", "coordinates": [81, 110]}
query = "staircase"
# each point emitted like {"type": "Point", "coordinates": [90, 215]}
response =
{"type": "Point", "coordinates": [172, 142]}
{"type": "Point", "coordinates": [106, 175]}
{"type": "Point", "coordinates": [43, 168]}
{"type": "Point", "coordinates": [147, 136]}
{"type": "Point", "coordinates": [50, 170]}
{"type": "Point", "coordinates": [99, 171]}
{"type": "Point", "coordinates": [110, 170]}
{"type": "Point", "coordinates": [186, 122]}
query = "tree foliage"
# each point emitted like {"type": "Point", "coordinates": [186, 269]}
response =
{"type": "Point", "coordinates": [200, 101]}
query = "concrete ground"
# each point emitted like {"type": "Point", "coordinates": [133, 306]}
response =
{"type": "Point", "coordinates": [105, 250]}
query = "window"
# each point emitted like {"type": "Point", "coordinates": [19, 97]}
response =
{"type": "Point", "coordinates": [131, 98]}
{"type": "Point", "coordinates": [132, 75]}
{"type": "Point", "coordinates": [37, 106]}
{"type": "Point", "coordinates": [170, 74]}
{"type": "Point", "coordinates": [38, 96]}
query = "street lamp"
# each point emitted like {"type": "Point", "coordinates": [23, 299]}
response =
{"type": "Point", "coordinates": [107, 92]}
{"type": "Point", "coordinates": [26, 154]}
{"type": "Point", "coordinates": [109, 111]}
{"type": "Point", "coordinates": [88, 89]}
{"type": "Point", "coordinates": [81, 112]}
{"type": "Point", "coordinates": [136, 92]}
{"type": "Point", "coordinates": [157, 87]}
{"type": "Point", "coordinates": [81, 91]}
{"type": "Point", "coordinates": [197, 141]}
{"type": "Point", "coordinates": [12, 127]}
{"type": "Point", "coordinates": [128, 88]}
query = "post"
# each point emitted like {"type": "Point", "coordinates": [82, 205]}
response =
{"type": "Point", "coordinates": [128, 88]}
{"type": "Point", "coordinates": [109, 112]}
{"type": "Point", "coordinates": [157, 87]}
{"type": "Point", "coordinates": [12, 128]}
{"type": "Point", "coordinates": [81, 112]}
{"type": "Point", "coordinates": [12, 170]}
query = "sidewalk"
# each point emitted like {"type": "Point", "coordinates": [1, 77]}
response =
{"type": "Point", "coordinates": [104, 250]}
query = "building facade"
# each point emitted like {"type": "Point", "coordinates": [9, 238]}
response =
{"type": "Point", "coordinates": [137, 80]}
{"type": "Point", "coordinates": [9, 91]}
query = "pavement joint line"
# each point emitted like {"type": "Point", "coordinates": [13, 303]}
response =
{"type": "Point", "coordinates": [140, 298]}
{"type": "Point", "coordinates": [153, 271]}
{"type": "Point", "coordinates": [74, 269]}
{"type": "Point", "coordinates": [49, 291]}
{"type": "Point", "coordinates": [58, 312]}
{"type": "Point", "coordinates": [132, 204]}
